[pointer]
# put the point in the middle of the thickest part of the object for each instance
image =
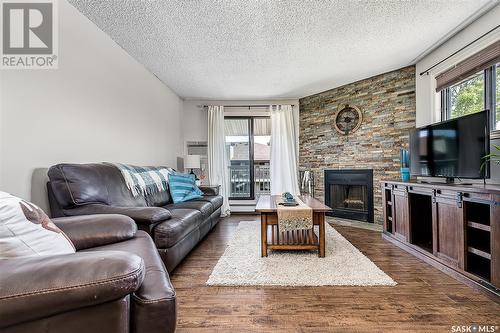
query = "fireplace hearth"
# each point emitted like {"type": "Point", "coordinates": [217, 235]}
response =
{"type": "Point", "coordinates": [350, 193]}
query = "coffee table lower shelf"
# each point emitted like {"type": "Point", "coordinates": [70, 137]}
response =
{"type": "Point", "coordinates": [299, 240]}
{"type": "Point", "coordinates": [291, 240]}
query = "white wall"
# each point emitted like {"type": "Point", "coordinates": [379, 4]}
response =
{"type": "Point", "coordinates": [195, 117]}
{"type": "Point", "coordinates": [100, 105]}
{"type": "Point", "coordinates": [427, 110]}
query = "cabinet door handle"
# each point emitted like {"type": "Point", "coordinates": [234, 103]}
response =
{"type": "Point", "coordinates": [459, 199]}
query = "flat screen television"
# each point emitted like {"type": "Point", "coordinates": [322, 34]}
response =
{"type": "Point", "coordinates": [452, 149]}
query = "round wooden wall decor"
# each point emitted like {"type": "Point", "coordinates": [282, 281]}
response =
{"type": "Point", "coordinates": [348, 119]}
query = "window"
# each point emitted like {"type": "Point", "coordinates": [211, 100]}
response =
{"type": "Point", "coordinates": [238, 152]}
{"type": "Point", "coordinates": [466, 97]}
{"type": "Point", "coordinates": [262, 155]}
{"type": "Point", "coordinates": [476, 93]}
{"type": "Point", "coordinates": [248, 145]}
{"type": "Point", "coordinates": [497, 96]}
{"type": "Point", "coordinates": [472, 85]}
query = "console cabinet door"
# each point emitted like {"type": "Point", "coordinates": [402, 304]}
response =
{"type": "Point", "coordinates": [495, 241]}
{"type": "Point", "coordinates": [448, 227]}
{"type": "Point", "coordinates": [387, 213]}
{"type": "Point", "coordinates": [401, 214]}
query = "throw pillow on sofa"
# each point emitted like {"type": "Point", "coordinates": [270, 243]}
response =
{"type": "Point", "coordinates": [183, 187]}
{"type": "Point", "coordinates": [25, 230]}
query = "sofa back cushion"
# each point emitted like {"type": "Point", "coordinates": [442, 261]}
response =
{"type": "Point", "coordinates": [25, 230]}
{"type": "Point", "coordinates": [158, 199]}
{"type": "Point", "coordinates": [81, 184]}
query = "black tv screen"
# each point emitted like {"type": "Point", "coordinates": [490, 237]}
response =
{"type": "Point", "coordinates": [453, 148]}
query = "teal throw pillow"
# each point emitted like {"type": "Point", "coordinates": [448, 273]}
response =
{"type": "Point", "coordinates": [183, 187]}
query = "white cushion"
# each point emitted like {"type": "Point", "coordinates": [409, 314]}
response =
{"type": "Point", "coordinates": [25, 230]}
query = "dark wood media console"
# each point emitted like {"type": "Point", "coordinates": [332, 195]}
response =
{"type": "Point", "coordinates": [455, 228]}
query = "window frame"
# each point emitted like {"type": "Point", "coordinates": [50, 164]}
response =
{"type": "Point", "coordinates": [251, 153]}
{"type": "Point", "coordinates": [489, 98]}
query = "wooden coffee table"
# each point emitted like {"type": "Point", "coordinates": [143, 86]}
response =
{"type": "Point", "coordinates": [273, 239]}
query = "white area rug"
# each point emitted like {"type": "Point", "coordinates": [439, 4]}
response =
{"type": "Point", "coordinates": [343, 265]}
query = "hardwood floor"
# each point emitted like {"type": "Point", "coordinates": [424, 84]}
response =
{"type": "Point", "coordinates": [425, 299]}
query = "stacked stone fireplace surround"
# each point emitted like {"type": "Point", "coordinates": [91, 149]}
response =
{"type": "Point", "coordinates": [387, 102]}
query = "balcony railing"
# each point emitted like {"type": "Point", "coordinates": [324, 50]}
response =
{"type": "Point", "coordinates": [240, 184]}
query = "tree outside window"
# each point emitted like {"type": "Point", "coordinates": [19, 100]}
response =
{"type": "Point", "coordinates": [467, 97]}
{"type": "Point", "coordinates": [478, 92]}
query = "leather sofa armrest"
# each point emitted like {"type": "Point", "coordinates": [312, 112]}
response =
{"type": "Point", "coordinates": [141, 215]}
{"type": "Point", "coordinates": [39, 286]}
{"type": "Point", "coordinates": [86, 231]}
{"type": "Point", "coordinates": [210, 190]}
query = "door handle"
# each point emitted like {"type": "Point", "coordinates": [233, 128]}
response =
{"type": "Point", "coordinates": [459, 199]}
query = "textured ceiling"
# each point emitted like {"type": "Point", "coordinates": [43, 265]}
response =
{"type": "Point", "coordinates": [263, 49]}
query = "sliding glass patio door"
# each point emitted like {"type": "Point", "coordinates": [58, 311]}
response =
{"type": "Point", "coordinates": [237, 131]}
{"type": "Point", "coordinates": [248, 149]}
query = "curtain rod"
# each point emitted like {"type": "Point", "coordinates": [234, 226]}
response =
{"type": "Point", "coordinates": [244, 106]}
{"type": "Point", "coordinates": [451, 55]}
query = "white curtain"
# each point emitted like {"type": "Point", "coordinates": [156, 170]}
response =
{"type": "Point", "coordinates": [283, 165]}
{"type": "Point", "coordinates": [218, 167]}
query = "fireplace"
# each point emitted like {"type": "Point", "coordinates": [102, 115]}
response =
{"type": "Point", "coordinates": [350, 193]}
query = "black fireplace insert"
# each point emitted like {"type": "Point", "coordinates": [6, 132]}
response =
{"type": "Point", "coordinates": [349, 193]}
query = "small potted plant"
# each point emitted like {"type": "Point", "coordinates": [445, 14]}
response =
{"type": "Point", "coordinates": [493, 157]}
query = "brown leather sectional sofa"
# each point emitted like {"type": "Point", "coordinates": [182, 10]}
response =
{"type": "Point", "coordinates": [83, 189]}
{"type": "Point", "coordinates": [115, 282]}
{"type": "Point", "coordinates": [118, 279]}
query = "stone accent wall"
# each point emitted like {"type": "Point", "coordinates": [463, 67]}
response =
{"type": "Point", "coordinates": [387, 102]}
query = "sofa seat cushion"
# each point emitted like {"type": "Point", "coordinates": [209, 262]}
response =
{"type": "Point", "coordinates": [183, 221]}
{"type": "Point", "coordinates": [215, 200]}
{"type": "Point", "coordinates": [153, 304]}
{"type": "Point", "coordinates": [204, 207]}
